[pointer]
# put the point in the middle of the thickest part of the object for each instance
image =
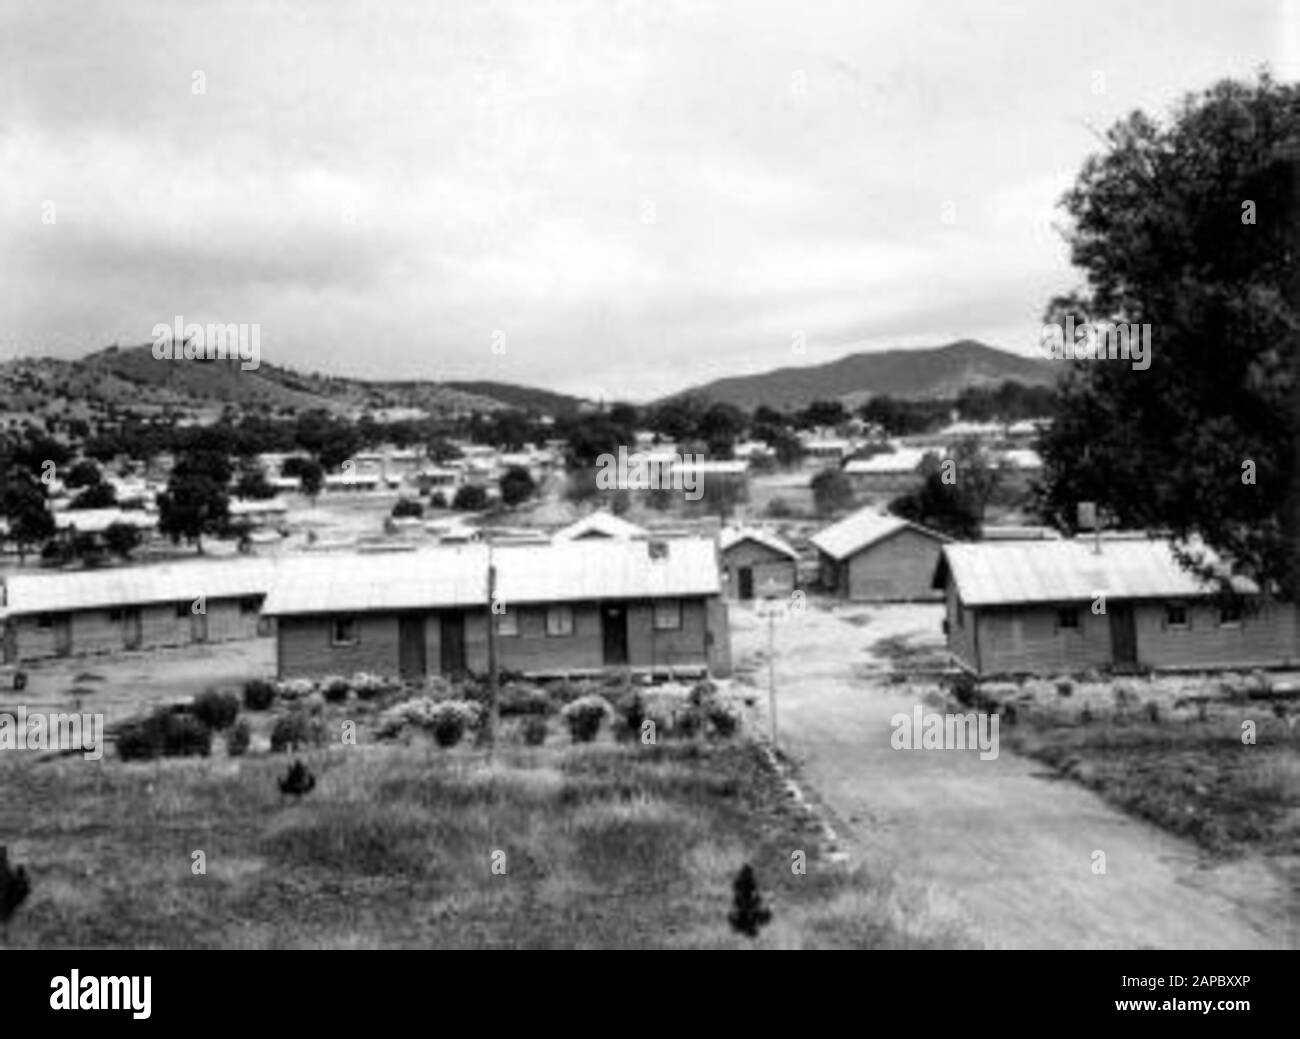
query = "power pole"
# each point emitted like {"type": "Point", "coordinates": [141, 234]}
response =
{"type": "Point", "coordinates": [771, 669]}
{"type": "Point", "coordinates": [492, 655]}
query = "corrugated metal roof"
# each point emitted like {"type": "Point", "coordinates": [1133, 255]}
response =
{"type": "Point", "coordinates": [1011, 572]}
{"type": "Point", "coordinates": [599, 524]}
{"type": "Point", "coordinates": [904, 460]}
{"type": "Point", "coordinates": [136, 585]}
{"type": "Point", "coordinates": [457, 576]}
{"type": "Point", "coordinates": [861, 529]}
{"type": "Point", "coordinates": [96, 521]}
{"type": "Point", "coordinates": [729, 537]}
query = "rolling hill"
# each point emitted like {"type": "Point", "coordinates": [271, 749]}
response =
{"type": "Point", "coordinates": [929, 373]}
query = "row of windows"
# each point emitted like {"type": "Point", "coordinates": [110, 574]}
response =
{"type": "Point", "coordinates": [1175, 617]}
{"type": "Point", "coordinates": [559, 622]}
{"type": "Point", "coordinates": [249, 604]}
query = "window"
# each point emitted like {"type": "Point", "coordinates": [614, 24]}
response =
{"type": "Point", "coordinates": [115, 616]}
{"type": "Point", "coordinates": [1176, 615]}
{"type": "Point", "coordinates": [668, 615]}
{"type": "Point", "coordinates": [508, 623]}
{"type": "Point", "coordinates": [1230, 616]}
{"type": "Point", "coordinates": [344, 631]}
{"type": "Point", "coordinates": [45, 620]}
{"type": "Point", "coordinates": [182, 609]}
{"type": "Point", "coordinates": [1067, 619]}
{"type": "Point", "coordinates": [250, 604]}
{"type": "Point", "coordinates": [559, 620]}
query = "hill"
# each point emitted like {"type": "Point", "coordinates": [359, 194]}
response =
{"type": "Point", "coordinates": [923, 374]}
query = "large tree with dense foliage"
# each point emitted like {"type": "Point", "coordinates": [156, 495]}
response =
{"type": "Point", "coordinates": [1193, 227]}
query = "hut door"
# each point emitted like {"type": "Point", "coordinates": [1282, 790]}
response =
{"type": "Point", "coordinates": [198, 626]}
{"type": "Point", "coordinates": [613, 624]}
{"type": "Point", "coordinates": [131, 631]}
{"type": "Point", "coordinates": [410, 646]}
{"type": "Point", "coordinates": [452, 651]}
{"type": "Point", "coordinates": [62, 634]}
{"type": "Point", "coordinates": [1123, 635]}
{"type": "Point", "coordinates": [746, 575]}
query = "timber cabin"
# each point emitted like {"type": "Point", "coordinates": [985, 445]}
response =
{"type": "Point", "coordinates": [1033, 607]}
{"type": "Point", "coordinates": [756, 563]}
{"type": "Point", "coordinates": [565, 608]}
{"type": "Point", "coordinates": [132, 607]}
{"type": "Point", "coordinates": [871, 556]}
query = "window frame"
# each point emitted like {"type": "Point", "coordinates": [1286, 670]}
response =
{"type": "Point", "coordinates": [1182, 625]}
{"type": "Point", "coordinates": [676, 605]}
{"type": "Point", "coordinates": [507, 623]}
{"type": "Point", "coordinates": [560, 610]}
{"type": "Point", "coordinates": [1072, 612]}
{"type": "Point", "coordinates": [350, 619]}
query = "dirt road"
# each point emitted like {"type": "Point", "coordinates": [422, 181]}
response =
{"type": "Point", "coordinates": [1000, 846]}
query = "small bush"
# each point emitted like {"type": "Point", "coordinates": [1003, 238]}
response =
{"type": "Point", "coordinates": [524, 698]}
{"type": "Point", "coordinates": [405, 507]}
{"type": "Point", "coordinates": [164, 733]}
{"type": "Point", "coordinates": [585, 716]}
{"type": "Point", "coordinates": [295, 730]}
{"type": "Point", "coordinates": [1065, 687]}
{"type": "Point", "coordinates": [335, 689]}
{"type": "Point", "coordinates": [534, 730]}
{"type": "Point", "coordinates": [259, 695]}
{"type": "Point", "coordinates": [238, 739]}
{"type": "Point", "coordinates": [292, 689]}
{"type": "Point", "coordinates": [723, 721]}
{"type": "Point", "coordinates": [368, 685]}
{"type": "Point", "coordinates": [217, 710]}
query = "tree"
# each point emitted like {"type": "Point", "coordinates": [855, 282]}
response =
{"type": "Point", "coordinates": [406, 508]}
{"type": "Point", "coordinates": [1190, 228]}
{"type": "Point", "coordinates": [195, 502]}
{"type": "Point", "coordinates": [22, 501]}
{"type": "Point", "coordinates": [823, 413]}
{"type": "Point", "coordinates": [976, 476]}
{"type": "Point", "coordinates": [96, 496]}
{"type": "Point", "coordinates": [939, 506]}
{"type": "Point", "coordinates": [121, 539]}
{"type": "Point", "coordinates": [84, 473]}
{"type": "Point", "coordinates": [831, 491]}
{"type": "Point", "coordinates": [310, 474]}
{"type": "Point", "coordinates": [517, 485]}
{"type": "Point", "coordinates": [748, 913]}
{"type": "Point", "coordinates": [252, 484]}
{"type": "Point", "coordinates": [719, 428]}
{"type": "Point", "coordinates": [470, 498]}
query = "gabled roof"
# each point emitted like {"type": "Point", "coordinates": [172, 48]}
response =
{"type": "Point", "coordinates": [730, 537]}
{"type": "Point", "coordinates": [862, 529]}
{"type": "Point", "coordinates": [457, 576]}
{"type": "Point", "coordinates": [1014, 572]}
{"type": "Point", "coordinates": [136, 585]}
{"type": "Point", "coordinates": [600, 524]}
{"type": "Point", "coordinates": [904, 460]}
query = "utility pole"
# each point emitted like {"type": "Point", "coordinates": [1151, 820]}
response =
{"type": "Point", "coordinates": [492, 655]}
{"type": "Point", "coordinates": [771, 669]}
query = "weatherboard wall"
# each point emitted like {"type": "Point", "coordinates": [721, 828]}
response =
{"type": "Point", "coordinates": [898, 568]}
{"type": "Point", "coordinates": [772, 569]}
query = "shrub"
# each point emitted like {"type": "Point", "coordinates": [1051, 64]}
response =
{"type": "Point", "coordinates": [294, 688]}
{"type": "Point", "coordinates": [1065, 687]}
{"type": "Point", "coordinates": [294, 730]}
{"type": "Point", "coordinates": [369, 685]}
{"type": "Point", "coordinates": [405, 507]}
{"type": "Point", "coordinates": [723, 721]}
{"type": "Point", "coordinates": [534, 730]}
{"type": "Point", "coordinates": [216, 709]}
{"type": "Point", "coordinates": [259, 695]}
{"type": "Point", "coordinates": [447, 720]}
{"type": "Point", "coordinates": [633, 715]}
{"type": "Point", "coordinates": [164, 733]}
{"type": "Point", "coordinates": [238, 739]}
{"type": "Point", "coordinates": [584, 717]}
{"type": "Point", "coordinates": [523, 698]}
{"type": "Point", "coordinates": [335, 689]}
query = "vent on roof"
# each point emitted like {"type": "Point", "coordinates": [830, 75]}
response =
{"type": "Point", "coordinates": [657, 548]}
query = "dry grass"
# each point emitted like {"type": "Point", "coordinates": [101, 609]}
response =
{"type": "Point", "coordinates": [605, 846]}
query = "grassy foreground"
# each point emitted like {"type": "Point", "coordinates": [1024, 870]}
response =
{"type": "Point", "coordinates": [604, 846]}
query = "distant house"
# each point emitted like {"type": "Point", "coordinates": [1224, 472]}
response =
{"type": "Point", "coordinates": [564, 609]}
{"type": "Point", "coordinates": [600, 524]}
{"type": "Point", "coordinates": [756, 563]}
{"type": "Point", "coordinates": [890, 472]}
{"type": "Point", "coordinates": [96, 521]}
{"type": "Point", "coordinates": [136, 607]}
{"type": "Point", "coordinates": [871, 556]}
{"type": "Point", "coordinates": [1037, 607]}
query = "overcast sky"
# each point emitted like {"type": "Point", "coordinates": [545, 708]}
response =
{"type": "Point", "coordinates": [638, 195]}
